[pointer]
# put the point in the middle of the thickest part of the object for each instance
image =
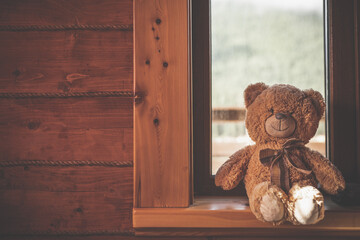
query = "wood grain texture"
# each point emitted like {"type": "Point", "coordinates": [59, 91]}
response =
{"type": "Point", "coordinates": [343, 110]}
{"type": "Point", "coordinates": [248, 234]}
{"type": "Point", "coordinates": [101, 237]}
{"type": "Point", "coordinates": [55, 200]}
{"type": "Point", "coordinates": [265, 237]}
{"type": "Point", "coordinates": [269, 236]}
{"type": "Point", "coordinates": [274, 236]}
{"type": "Point", "coordinates": [81, 237]}
{"type": "Point", "coordinates": [66, 129]}
{"type": "Point", "coordinates": [66, 200]}
{"type": "Point", "coordinates": [233, 218]}
{"type": "Point", "coordinates": [27, 12]}
{"type": "Point", "coordinates": [234, 214]}
{"type": "Point", "coordinates": [162, 120]}
{"type": "Point", "coordinates": [65, 61]}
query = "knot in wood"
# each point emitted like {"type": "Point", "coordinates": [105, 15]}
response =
{"type": "Point", "coordinates": [79, 210]}
{"type": "Point", "coordinates": [156, 122]}
{"type": "Point", "coordinates": [16, 73]}
{"type": "Point", "coordinates": [33, 125]}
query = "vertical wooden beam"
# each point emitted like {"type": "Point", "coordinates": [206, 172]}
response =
{"type": "Point", "coordinates": [201, 59]}
{"type": "Point", "coordinates": [343, 110]}
{"type": "Point", "coordinates": [357, 84]}
{"type": "Point", "coordinates": [204, 182]}
{"type": "Point", "coordinates": [162, 119]}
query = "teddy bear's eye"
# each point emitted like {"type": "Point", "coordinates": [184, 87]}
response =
{"type": "Point", "coordinates": [271, 110]}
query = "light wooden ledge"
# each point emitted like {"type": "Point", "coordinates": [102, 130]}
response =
{"type": "Point", "coordinates": [231, 215]}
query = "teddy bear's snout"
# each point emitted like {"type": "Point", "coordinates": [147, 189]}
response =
{"type": "Point", "coordinates": [280, 125]}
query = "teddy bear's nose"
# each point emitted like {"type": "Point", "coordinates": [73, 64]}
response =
{"type": "Point", "coordinates": [280, 116]}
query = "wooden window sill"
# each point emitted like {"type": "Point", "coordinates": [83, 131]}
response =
{"type": "Point", "coordinates": [232, 216]}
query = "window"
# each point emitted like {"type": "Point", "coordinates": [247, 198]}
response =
{"type": "Point", "coordinates": [261, 41]}
{"type": "Point", "coordinates": [247, 41]}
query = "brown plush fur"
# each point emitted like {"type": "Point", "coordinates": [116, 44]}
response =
{"type": "Point", "coordinates": [307, 108]}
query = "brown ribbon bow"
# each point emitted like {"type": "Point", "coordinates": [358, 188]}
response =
{"type": "Point", "coordinates": [279, 162]}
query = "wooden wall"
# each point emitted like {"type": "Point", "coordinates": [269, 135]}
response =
{"type": "Point", "coordinates": [65, 120]}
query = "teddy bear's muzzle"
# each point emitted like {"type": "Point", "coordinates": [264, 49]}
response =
{"type": "Point", "coordinates": [280, 125]}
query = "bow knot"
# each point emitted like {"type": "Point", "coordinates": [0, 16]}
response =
{"type": "Point", "coordinates": [279, 162]}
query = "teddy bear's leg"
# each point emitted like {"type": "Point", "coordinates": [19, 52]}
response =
{"type": "Point", "coordinates": [268, 203]}
{"type": "Point", "coordinates": [306, 205]}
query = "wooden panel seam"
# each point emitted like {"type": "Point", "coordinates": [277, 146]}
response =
{"type": "Point", "coordinates": [99, 27]}
{"type": "Point", "coordinates": [74, 232]}
{"type": "Point", "coordinates": [77, 163]}
{"type": "Point", "coordinates": [127, 94]}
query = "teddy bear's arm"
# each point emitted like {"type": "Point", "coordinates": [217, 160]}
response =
{"type": "Point", "coordinates": [233, 170]}
{"type": "Point", "coordinates": [326, 173]}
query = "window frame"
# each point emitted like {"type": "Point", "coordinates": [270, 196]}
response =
{"type": "Point", "coordinates": [343, 87]}
{"type": "Point", "coordinates": [337, 142]}
{"type": "Point", "coordinates": [204, 183]}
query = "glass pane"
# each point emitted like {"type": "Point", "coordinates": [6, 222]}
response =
{"type": "Point", "coordinates": [270, 41]}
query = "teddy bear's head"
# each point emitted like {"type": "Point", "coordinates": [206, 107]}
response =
{"type": "Point", "coordinates": [280, 112]}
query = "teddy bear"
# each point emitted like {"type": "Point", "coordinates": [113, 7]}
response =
{"type": "Point", "coordinates": [280, 173]}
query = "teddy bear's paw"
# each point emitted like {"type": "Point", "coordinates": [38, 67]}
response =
{"type": "Point", "coordinates": [306, 211]}
{"type": "Point", "coordinates": [271, 208]}
{"type": "Point", "coordinates": [306, 205]}
{"type": "Point", "coordinates": [268, 203]}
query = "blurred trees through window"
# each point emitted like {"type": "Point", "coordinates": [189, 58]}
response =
{"type": "Point", "coordinates": [270, 41]}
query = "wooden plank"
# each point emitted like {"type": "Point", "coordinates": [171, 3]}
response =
{"type": "Point", "coordinates": [88, 129]}
{"type": "Point", "coordinates": [66, 179]}
{"type": "Point", "coordinates": [234, 213]}
{"type": "Point", "coordinates": [266, 235]}
{"type": "Point", "coordinates": [101, 237]}
{"type": "Point", "coordinates": [162, 120]}
{"type": "Point", "coordinates": [166, 237]}
{"type": "Point", "coordinates": [232, 218]}
{"type": "Point", "coordinates": [248, 234]}
{"type": "Point", "coordinates": [342, 106]}
{"type": "Point", "coordinates": [60, 200]}
{"type": "Point", "coordinates": [316, 236]}
{"type": "Point", "coordinates": [67, 237]}
{"type": "Point", "coordinates": [44, 12]}
{"type": "Point", "coordinates": [75, 61]}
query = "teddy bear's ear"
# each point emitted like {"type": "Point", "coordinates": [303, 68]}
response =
{"type": "Point", "coordinates": [252, 91]}
{"type": "Point", "coordinates": [317, 100]}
